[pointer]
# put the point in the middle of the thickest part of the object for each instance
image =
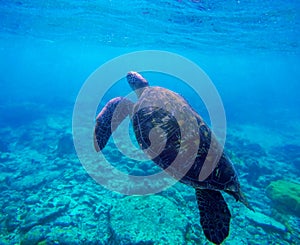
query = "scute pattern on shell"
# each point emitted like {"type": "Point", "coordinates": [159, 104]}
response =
{"type": "Point", "coordinates": [166, 115]}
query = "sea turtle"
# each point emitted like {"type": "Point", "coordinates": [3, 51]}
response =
{"type": "Point", "coordinates": [163, 125]}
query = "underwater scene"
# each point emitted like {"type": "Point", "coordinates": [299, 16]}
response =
{"type": "Point", "coordinates": [60, 188]}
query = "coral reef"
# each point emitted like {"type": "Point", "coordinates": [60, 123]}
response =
{"type": "Point", "coordinates": [48, 198]}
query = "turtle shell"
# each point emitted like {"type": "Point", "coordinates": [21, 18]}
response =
{"type": "Point", "coordinates": [177, 139]}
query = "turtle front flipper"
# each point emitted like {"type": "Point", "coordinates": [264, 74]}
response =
{"type": "Point", "coordinates": [214, 215]}
{"type": "Point", "coordinates": [110, 117]}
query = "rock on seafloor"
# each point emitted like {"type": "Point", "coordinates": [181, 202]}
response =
{"type": "Point", "coordinates": [42, 216]}
{"type": "Point", "coordinates": [147, 220]}
{"type": "Point", "coordinates": [265, 222]}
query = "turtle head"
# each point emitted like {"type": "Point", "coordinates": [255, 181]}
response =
{"type": "Point", "coordinates": [137, 82]}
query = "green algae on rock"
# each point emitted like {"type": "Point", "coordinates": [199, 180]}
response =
{"type": "Point", "coordinates": [285, 196]}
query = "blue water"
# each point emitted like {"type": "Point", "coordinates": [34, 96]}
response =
{"type": "Point", "coordinates": [249, 49]}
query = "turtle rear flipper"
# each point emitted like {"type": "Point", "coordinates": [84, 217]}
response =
{"type": "Point", "coordinates": [214, 215]}
{"type": "Point", "coordinates": [110, 117]}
